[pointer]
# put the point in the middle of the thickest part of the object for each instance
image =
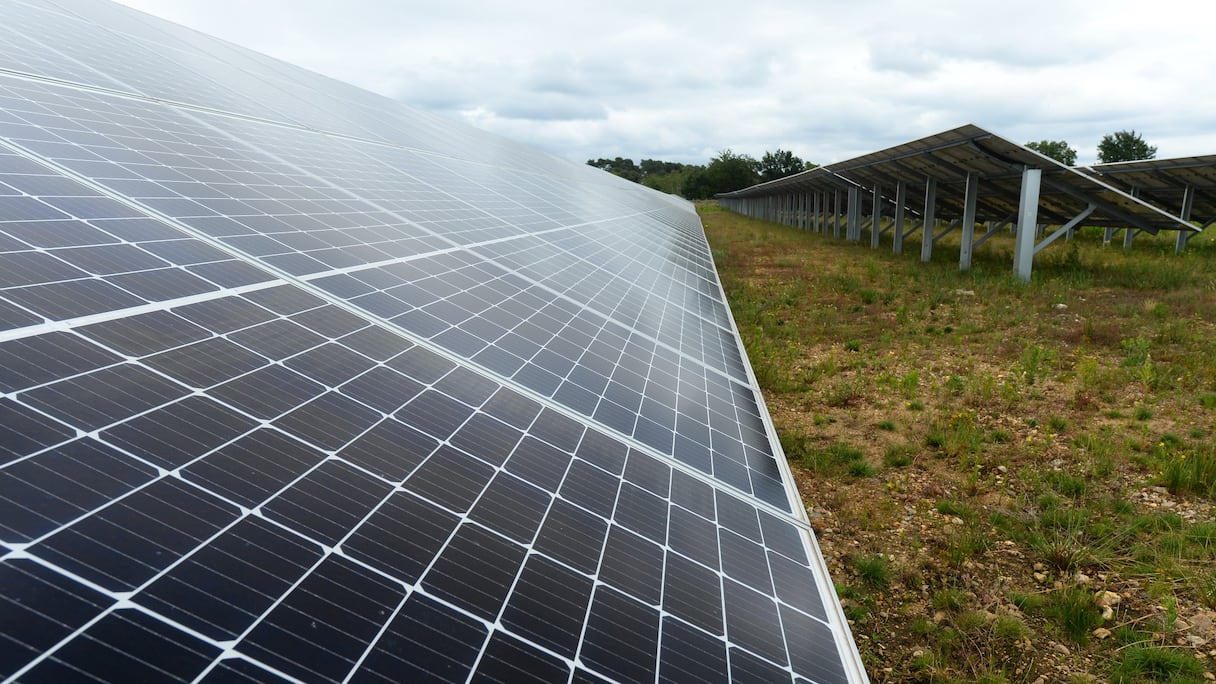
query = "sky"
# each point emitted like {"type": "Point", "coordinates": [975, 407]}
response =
{"type": "Point", "coordinates": [828, 80]}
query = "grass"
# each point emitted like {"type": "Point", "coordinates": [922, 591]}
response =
{"type": "Point", "coordinates": [966, 437]}
{"type": "Point", "coordinates": [1141, 663]}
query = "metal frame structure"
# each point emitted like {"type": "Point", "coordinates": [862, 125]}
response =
{"type": "Point", "coordinates": [1183, 184]}
{"type": "Point", "coordinates": [968, 175]}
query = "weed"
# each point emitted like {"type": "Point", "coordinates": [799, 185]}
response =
{"type": "Point", "coordinates": [1191, 473]}
{"type": "Point", "coordinates": [898, 455]}
{"type": "Point", "coordinates": [1066, 483]}
{"type": "Point", "coordinates": [1028, 603]}
{"type": "Point", "coordinates": [966, 543]}
{"type": "Point", "coordinates": [1033, 362]}
{"type": "Point", "coordinates": [861, 469]}
{"type": "Point", "coordinates": [1074, 612]}
{"type": "Point", "coordinates": [1136, 351]}
{"type": "Point", "coordinates": [844, 391]}
{"type": "Point", "coordinates": [874, 571]}
{"type": "Point", "coordinates": [955, 385]}
{"type": "Point", "coordinates": [1008, 628]}
{"type": "Point", "coordinates": [922, 627]}
{"type": "Point", "coordinates": [1142, 413]}
{"type": "Point", "coordinates": [852, 346]}
{"type": "Point", "coordinates": [887, 426]}
{"type": "Point", "coordinates": [1142, 662]}
{"type": "Point", "coordinates": [950, 599]}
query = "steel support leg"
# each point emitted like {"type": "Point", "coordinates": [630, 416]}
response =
{"type": "Point", "coordinates": [969, 201]}
{"type": "Point", "coordinates": [926, 237]}
{"type": "Point", "coordinates": [874, 226]}
{"type": "Point", "coordinates": [1028, 217]}
{"type": "Point", "coordinates": [836, 215]}
{"type": "Point", "coordinates": [1188, 201]}
{"type": "Point", "coordinates": [853, 225]}
{"type": "Point", "coordinates": [901, 198]}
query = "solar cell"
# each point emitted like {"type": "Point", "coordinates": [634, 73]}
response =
{"type": "Point", "coordinates": [299, 383]}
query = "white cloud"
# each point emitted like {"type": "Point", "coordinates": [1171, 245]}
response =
{"type": "Point", "coordinates": [682, 80]}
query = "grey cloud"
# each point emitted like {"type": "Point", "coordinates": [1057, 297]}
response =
{"type": "Point", "coordinates": [824, 79]}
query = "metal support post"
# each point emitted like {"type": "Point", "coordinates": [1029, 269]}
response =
{"type": "Point", "coordinates": [877, 216]}
{"type": "Point", "coordinates": [901, 198]}
{"type": "Point", "coordinates": [853, 227]}
{"type": "Point", "coordinates": [1129, 234]}
{"type": "Point", "coordinates": [1188, 201]}
{"type": "Point", "coordinates": [926, 238]}
{"type": "Point", "coordinates": [1028, 216]}
{"type": "Point", "coordinates": [836, 214]}
{"type": "Point", "coordinates": [969, 201]}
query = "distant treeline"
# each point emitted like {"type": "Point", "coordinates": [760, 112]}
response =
{"type": "Point", "coordinates": [725, 172]}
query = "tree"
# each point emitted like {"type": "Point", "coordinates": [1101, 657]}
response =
{"type": "Point", "coordinates": [625, 168]}
{"type": "Point", "coordinates": [779, 164]}
{"type": "Point", "coordinates": [1058, 150]}
{"type": "Point", "coordinates": [1124, 146]}
{"type": "Point", "coordinates": [725, 173]}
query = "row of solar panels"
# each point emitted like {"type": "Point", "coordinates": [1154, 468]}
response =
{"type": "Point", "coordinates": [302, 384]}
{"type": "Point", "coordinates": [1149, 195]}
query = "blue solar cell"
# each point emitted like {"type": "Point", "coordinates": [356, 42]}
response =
{"type": "Point", "coordinates": [332, 388]}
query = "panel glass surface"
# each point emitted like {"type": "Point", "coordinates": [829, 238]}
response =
{"type": "Point", "coordinates": [299, 383]}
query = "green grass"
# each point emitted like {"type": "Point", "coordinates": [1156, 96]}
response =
{"type": "Point", "coordinates": [1191, 473]}
{"type": "Point", "coordinates": [899, 455]}
{"type": "Point", "coordinates": [1074, 613]}
{"type": "Point", "coordinates": [1042, 429]}
{"type": "Point", "coordinates": [874, 571]}
{"type": "Point", "coordinates": [1144, 663]}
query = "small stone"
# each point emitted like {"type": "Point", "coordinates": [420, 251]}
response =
{"type": "Point", "coordinates": [1040, 577]}
{"type": "Point", "coordinates": [939, 617]}
{"type": "Point", "coordinates": [1104, 599]}
{"type": "Point", "coordinates": [1082, 578]}
{"type": "Point", "coordinates": [1040, 680]}
{"type": "Point", "coordinates": [1061, 649]}
{"type": "Point", "coordinates": [1209, 676]}
{"type": "Point", "coordinates": [1101, 633]}
{"type": "Point", "coordinates": [1061, 306]}
{"type": "Point", "coordinates": [1002, 469]}
{"type": "Point", "coordinates": [965, 293]}
{"type": "Point", "coordinates": [917, 653]}
{"type": "Point", "coordinates": [1039, 567]}
{"type": "Point", "coordinates": [1195, 640]}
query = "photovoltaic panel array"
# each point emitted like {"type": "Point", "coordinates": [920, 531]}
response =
{"type": "Point", "coordinates": [301, 384]}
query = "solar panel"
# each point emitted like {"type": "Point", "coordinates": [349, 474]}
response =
{"type": "Point", "coordinates": [950, 156]}
{"type": "Point", "coordinates": [1182, 185]}
{"type": "Point", "coordinates": [301, 384]}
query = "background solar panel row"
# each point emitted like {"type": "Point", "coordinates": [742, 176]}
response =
{"type": "Point", "coordinates": [332, 388]}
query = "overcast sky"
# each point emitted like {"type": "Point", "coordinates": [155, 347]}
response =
{"type": "Point", "coordinates": [679, 81]}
